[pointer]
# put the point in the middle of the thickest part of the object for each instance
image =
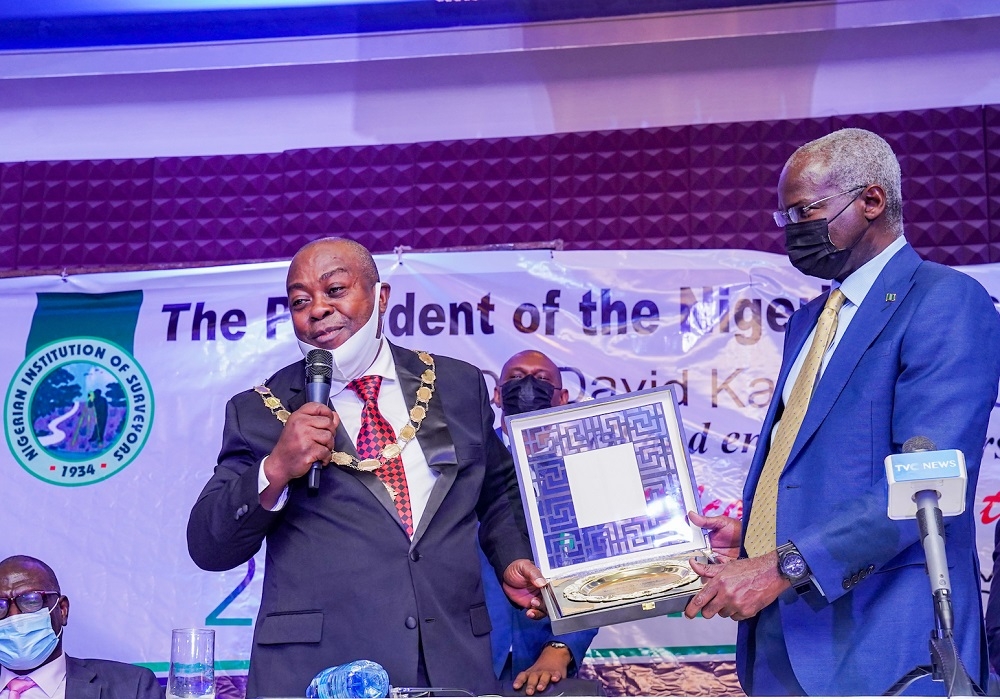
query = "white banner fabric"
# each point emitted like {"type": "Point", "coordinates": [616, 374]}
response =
{"type": "Point", "coordinates": [100, 485]}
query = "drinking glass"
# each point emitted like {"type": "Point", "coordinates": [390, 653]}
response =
{"type": "Point", "coordinates": [192, 664]}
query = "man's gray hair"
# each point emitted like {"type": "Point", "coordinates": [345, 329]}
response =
{"type": "Point", "coordinates": [856, 157]}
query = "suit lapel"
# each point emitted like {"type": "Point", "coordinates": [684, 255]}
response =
{"type": "Point", "coordinates": [434, 438]}
{"type": "Point", "coordinates": [871, 318]}
{"type": "Point", "coordinates": [80, 682]}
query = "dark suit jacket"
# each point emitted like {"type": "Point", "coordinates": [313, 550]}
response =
{"type": "Point", "coordinates": [106, 679]}
{"type": "Point", "coordinates": [342, 581]}
{"type": "Point", "coordinates": [920, 358]}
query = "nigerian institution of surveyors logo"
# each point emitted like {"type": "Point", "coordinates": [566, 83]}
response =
{"type": "Point", "coordinates": [78, 410]}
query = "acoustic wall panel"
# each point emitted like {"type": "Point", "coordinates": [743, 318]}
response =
{"type": "Point", "coordinates": [89, 213]}
{"type": "Point", "coordinates": [481, 192]}
{"type": "Point", "coordinates": [991, 129]}
{"type": "Point", "coordinates": [217, 208]}
{"type": "Point", "coordinates": [734, 178]}
{"type": "Point", "coordinates": [360, 192]}
{"type": "Point", "coordinates": [704, 187]}
{"type": "Point", "coordinates": [10, 212]}
{"type": "Point", "coordinates": [615, 190]}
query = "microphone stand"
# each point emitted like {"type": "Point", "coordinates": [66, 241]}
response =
{"type": "Point", "coordinates": [946, 666]}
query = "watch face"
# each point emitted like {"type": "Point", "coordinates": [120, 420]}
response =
{"type": "Point", "coordinates": [793, 566]}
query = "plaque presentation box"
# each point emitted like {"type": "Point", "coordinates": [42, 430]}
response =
{"type": "Point", "coordinates": [606, 486]}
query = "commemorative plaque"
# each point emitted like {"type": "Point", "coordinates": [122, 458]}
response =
{"type": "Point", "coordinates": [606, 486]}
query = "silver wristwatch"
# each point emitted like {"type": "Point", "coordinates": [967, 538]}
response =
{"type": "Point", "coordinates": [793, 567]}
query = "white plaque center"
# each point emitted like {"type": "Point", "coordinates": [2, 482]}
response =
{"type": "Point", "coordinates": [605, 485]}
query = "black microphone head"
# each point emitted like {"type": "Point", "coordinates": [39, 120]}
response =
{"type": "Point", "coordinates": [915, 444]}
{"type": "Point", "coordinates": [319, 366]}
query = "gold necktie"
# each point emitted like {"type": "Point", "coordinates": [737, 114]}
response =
{"type": "Point", "coordinates": [760, 531]}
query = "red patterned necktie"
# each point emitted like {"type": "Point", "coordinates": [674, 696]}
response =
{"type": "Point", "coordinates": [19, 685]}
{"type": "Point", "coordinates": [375, 434]}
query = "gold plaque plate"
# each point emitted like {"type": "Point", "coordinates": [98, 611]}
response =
{"type": "Point", "coordinates": [630, 583]}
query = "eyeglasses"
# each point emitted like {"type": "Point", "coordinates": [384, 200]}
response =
{"type": "Point", "coordinates": [27, 602]}
{"type": "Point", "coordinates": [798, 213]}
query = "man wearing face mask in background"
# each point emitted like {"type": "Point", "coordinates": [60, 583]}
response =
{"type": "Point", "coordinates": [523, 649]}
{"type": "Point", "coordinates": [33, 614]}
{"type": "Point", "coordinates": [831, 595]}
{"type": "Point", "coordinates": [378, 563]}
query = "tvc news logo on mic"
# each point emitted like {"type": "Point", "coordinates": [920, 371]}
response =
{"type": "Point", "coordinates": [921, 467]}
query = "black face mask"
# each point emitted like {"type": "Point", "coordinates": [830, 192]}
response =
{"type": "Point", "coordinates": [526, 394]}
{"type": "Point", "coordinates": [810, 250]}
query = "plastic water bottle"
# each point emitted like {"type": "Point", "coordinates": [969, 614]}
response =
{"type": "Point", "coordinates": [360, 679]}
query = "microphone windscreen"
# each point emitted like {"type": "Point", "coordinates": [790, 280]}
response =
{"type": "Point", "coordinates": [319, 365]}
{"type": "Point", "coordinates": [915, 444]}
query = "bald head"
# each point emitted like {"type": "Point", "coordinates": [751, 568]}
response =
{"type": "Point", "coordinates": [19, 567]}
{"type": "Point", "coordinates": [535, 364]}
{"type": "Point", "coordinates": [345, 248]}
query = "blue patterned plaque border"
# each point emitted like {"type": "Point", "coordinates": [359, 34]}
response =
{"type": "Point", "coordinates": [645, 427]}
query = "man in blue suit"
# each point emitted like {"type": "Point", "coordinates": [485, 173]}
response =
{"type": "Point", "coordinates": [523, 649]}
{"type": "Point", "coordinates": [837, 601]}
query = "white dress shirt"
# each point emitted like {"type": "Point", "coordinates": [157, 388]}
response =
{"type": "Point", "coordinates": [50, 680]}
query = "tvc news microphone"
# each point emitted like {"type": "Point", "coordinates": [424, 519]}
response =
{"type": "Point", "coordinates": [319, 371]}
{"type": "Point", "coordinates": [928, 484]}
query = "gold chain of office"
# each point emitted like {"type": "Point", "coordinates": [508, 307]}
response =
{"type": "Point", "coordinates": [417, 414]}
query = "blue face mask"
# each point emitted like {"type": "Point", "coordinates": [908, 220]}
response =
{"type": "Point", "coordinates": [26, 640]}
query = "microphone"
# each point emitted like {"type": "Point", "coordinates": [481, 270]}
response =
{"type": "Point", "coordinates": [319, 370]}
{"type": "Point", "coordinates": [935, 480]}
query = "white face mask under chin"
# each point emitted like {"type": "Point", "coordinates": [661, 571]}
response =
{"type": "Point", "coordinates": [352, 358]}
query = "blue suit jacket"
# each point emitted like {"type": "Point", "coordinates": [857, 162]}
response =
{"type": "Point", "coordinates": [106, 679]}
{"type": "Point", "coordinates": [925, 363]}
{"type": "Point", "coordinates": [514, 632]}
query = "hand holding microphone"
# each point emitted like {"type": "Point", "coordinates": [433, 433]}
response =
{"type": "Point", "coordinates": [319, 371]}
{"type": "Point", "coordinates": [306, 440]}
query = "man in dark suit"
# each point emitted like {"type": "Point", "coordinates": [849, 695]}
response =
{"type": "Point", "coordinates": [33, 613]}
{"type": "Point", "coordinates": [831, 595]}
{"type": "Point", "coordinates": [380, 562]}
{"type": "Point", "coordinates": [524, 650]}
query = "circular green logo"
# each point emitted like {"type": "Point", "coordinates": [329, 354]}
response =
{"type": "Point", "coordinates": [78, 411]}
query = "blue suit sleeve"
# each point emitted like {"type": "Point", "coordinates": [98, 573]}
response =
{"type": "Point", "coordinates": [937, 378]}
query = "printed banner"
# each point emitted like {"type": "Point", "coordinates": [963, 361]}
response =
{"type": "Point", "coordinates": [115, 387]}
